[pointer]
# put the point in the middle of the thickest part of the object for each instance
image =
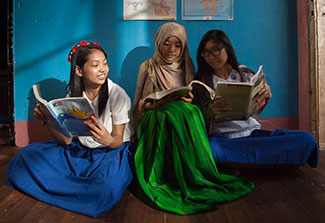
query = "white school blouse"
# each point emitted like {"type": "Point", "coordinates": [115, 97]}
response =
{"type": "Point", "coordinates": [235, 128]}
{"type": "Point", "coordinates": [117, 112]}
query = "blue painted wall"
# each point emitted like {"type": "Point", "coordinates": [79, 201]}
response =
{"type": "Point", "coordinates": [262, 32]}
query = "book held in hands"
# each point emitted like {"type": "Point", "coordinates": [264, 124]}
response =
{"type": "Point", "coordinates": [202, 93]}
{"type": "Point", "coordinates": [241, 96]}
{"type": "Point", "coordinates": [66, 115]}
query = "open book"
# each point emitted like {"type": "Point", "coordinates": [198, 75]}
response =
{"type": "Point", "coordinates": [202, 93]}
{"type": "Point", "coordinates": [66, 115]}
{"type": "Point", "coordinates": [241, 96]}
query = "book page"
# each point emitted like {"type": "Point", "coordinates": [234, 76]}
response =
{"type": "Point", "coordinates": [258, 85]}
{"type": "Point", "coordinates": [202, 93]}
{"type": "Point", "coordinates": [258, 74]}
{"type": "Point", "coordinates": [177, 92]}
{"type": "Point", "coordinates": [48, 113]}
{"type": "Point", "coordinates": [53, 121]}
{"type": "Point", "coordinates": [37, 94]}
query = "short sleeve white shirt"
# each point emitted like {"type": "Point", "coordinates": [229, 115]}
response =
{"type": "Point", "coordinates": [235, 128]}
{"type": "Point", "coordinates": [117, 112]}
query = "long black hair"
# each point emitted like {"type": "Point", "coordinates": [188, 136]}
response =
{"type": "Point", "coordinates": [205, 72]}
{"type": "Point", "coordinates": [76, 85]}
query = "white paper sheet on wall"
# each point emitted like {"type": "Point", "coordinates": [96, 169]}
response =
{"type": "Point", "coordinates": [207, 9]}
{"type": "Point", "coordinates": [149, 9]}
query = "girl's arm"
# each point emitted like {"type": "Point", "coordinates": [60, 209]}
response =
{"type": "Point", "coordinates": [62, 139]}
{"type": "Point", "coordinates": [101, 135]}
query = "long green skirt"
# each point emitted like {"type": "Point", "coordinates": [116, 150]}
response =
{"type": "Point", "coordinates": [174, 164]}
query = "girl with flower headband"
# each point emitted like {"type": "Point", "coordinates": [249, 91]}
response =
{"type": "Point", "coordinates": [173, 162]}
{"type": "Point", "coordinates": [85, 174]}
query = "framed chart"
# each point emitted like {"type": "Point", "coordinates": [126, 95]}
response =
{"type": "Point", "coordinates": [149, 9]}
{"type": "Point", "coordinates": [207, 9]}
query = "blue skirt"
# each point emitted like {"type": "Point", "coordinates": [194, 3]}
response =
{"type": "Point", "coordinates": [73, 177]}
{"type": "Point", "coordinates": [266, 147]}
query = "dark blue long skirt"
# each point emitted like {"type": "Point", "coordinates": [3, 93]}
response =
{"type": "Point", "coordinates": [266, 147]}
{"type": "Point", "coordinates": [73, 177]}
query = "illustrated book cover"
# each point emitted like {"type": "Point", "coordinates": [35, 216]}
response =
{"type": "Point", "coordinates": [66, 115]}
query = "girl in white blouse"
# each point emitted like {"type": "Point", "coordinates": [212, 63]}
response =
{"type": "Point", "coordinates": [242, 141]}
{"type": "Point", "coordinates": [83, 174]}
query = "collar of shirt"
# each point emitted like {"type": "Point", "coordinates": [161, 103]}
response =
{"type": "Point", "coordinates": [233, 77]}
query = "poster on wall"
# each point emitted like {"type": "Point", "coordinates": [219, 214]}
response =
{"type": "Point", "coordinates": [207, 9]}
{"type": "Point", "coordinates": [149, 9]}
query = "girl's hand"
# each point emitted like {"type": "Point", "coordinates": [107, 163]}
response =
{"type": "Point", "coordinates": [157, 103]}
{"type": "Point", "coordinates": [62, 139]}
{"type": "Point", "coordinates": [98, 131]}
{"type": "Point", "coordinates": [263, 98]}
{"type": "Point", "coordinates": [215, 107]}
{"type": "Point", "coordinates": [264, 94]}
{"type": "Point", "coordinates": [154, 104]}
{"type": "Point", "coordinates": [39, 114]}
{"type": "Point", "coordinates": [101, 135]}
{"type": "Point", "coordinates": [188, 98]}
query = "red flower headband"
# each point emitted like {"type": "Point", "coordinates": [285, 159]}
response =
{"type": "Point", "coordinates": [76, 47]}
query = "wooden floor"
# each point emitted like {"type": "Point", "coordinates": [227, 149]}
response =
{"type": "Point", "coordinates": [281, 195]}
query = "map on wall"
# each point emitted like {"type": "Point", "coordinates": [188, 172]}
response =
{"type": "Point", "coordinates": [149, 9]}
{"type": "Point", "coordinates": [207, 10]}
